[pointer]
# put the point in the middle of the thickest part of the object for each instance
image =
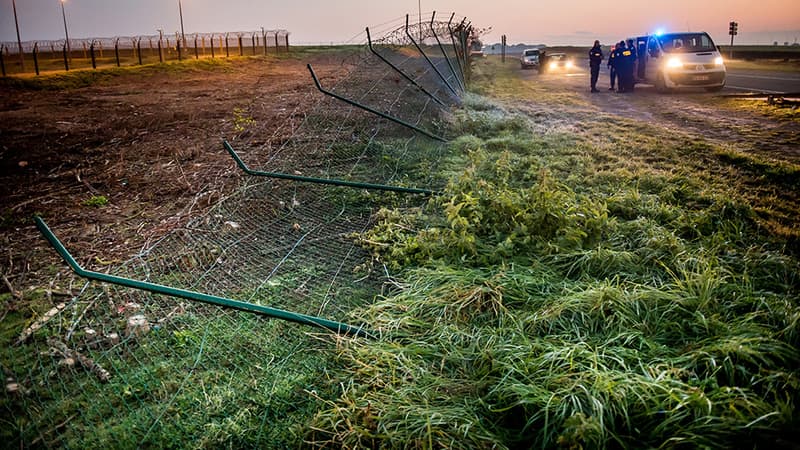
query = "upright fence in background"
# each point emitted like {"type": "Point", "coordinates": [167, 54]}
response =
{"type": "Point", "coordinates": [54, 56]}
{"type": "Point", "coordinates": [123, 367]}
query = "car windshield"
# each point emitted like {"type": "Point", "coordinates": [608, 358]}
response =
{"type": "Point", "coordinates": [558, 56]}
{"type": "Point", "coordinates": [687, 43]}
{"type": "Point", "coordinates": [531, 52]}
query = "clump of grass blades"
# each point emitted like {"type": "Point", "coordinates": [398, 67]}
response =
{"type": "Point", "coordinates": [637, 309]}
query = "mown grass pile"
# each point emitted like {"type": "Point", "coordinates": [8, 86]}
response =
{"type": "Point", "coordinates": [569, 290]}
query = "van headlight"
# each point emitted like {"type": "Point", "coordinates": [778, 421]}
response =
{"type": "Point", "coordinates": [718, 61]}
{"type": "Point", "coordinates": [553, 65]}
{"type": "Point", "coordinates": [674, 63]}
{"type": "Point", "coordinates": [569, 64]}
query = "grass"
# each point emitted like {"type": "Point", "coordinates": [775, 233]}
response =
{"type": "Point", "coordinates": [83, 78]}
{"type": "Point", "coordinates": [572, 292]}
{"type": "Point", "coordinates": [567, 289]}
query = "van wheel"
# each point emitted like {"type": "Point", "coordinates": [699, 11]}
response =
{"type": "Point", "coordinates": [661, 85]}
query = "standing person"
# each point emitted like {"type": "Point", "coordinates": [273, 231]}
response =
{"type": "Point", "coordinates": [631, 66]}
{"type": "Point", "coordinates": [622, 60]}
{"type": "Point", "coordinates": [595, 58]}
{"type": "Point", "coordinates": [542, 61]}
{"type": "Point", "coordinates": [612, 65]}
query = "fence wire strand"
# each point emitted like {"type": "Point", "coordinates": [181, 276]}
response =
{"type": "Point", "coordinates": [116, 366]}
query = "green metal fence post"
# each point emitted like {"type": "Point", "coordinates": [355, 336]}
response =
{"type": "Point", "coordinates": [400, 71]}
{"type": "Point", "coordinates": [373, 111]}
{"type": "Point", "coordinates": [36, 57]}
{"type": "Point", "coordinates": [336, 327]}
{"type": "Point", "coordinates": [328, 181]}
{"type": "Point", "coordinates": [455, 48]}
{"type": "Point", "coordinates": [91, 52]}
{"type": "Point", "coordinates": [441, 47]}
{"type": "Point", "coordinates": [422, 52]}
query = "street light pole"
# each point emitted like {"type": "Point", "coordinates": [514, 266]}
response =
{"type": "Point", "coordinates": [66, 33]}
{"type": "Point", "coordinates": [180, 12]}
{"type": "Point", "coordinates": [419, 11]}
{"type": "Point", "coordinates": [19, 41]}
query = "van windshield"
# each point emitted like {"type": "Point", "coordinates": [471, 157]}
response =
{"type": "Point", "coordinates": [687, 43]}
{"type": "Point", "coordinates": [531, 52]}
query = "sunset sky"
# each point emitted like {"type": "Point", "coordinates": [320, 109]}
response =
{"type": "Point", "coordinates": [576, 22]}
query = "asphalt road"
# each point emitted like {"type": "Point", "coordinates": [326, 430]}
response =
{"type": "Point", "coordinates": [738, 80]}
{"type": "Point", "coordinates": [762, 81]}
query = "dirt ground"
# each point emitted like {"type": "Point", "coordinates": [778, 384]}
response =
{"type": "Point", "coordinates": [723, 120]}
{"type": "Point", "coordinates": [150, 143]}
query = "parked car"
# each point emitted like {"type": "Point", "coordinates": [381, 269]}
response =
{"type": "Point", "coordinates": [559, 62]}
{"type": "Point", "coordinates": [529, 58]}
{"type": "Point", "coordinates": [677, 60]}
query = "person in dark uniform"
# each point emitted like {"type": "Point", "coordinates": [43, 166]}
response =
{"type": "Point", "coordinates": [622, 60]}
{"type": "Point", "coordinates": [631, 67]}
{"type": "Point", "coordinates": [612, 66]}
{"type": "Point", "coordinates": [595, 58]}
{"type": "Point", "coordinates": [542, 61]}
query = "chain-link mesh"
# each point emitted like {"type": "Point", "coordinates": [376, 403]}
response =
{"type": "Point", "coordinates": [125, 368]}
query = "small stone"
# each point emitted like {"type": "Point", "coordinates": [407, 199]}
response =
{"type": "Point", "coordinates": [137, 326]}
{"type": "Point", "coordinates": [12, 388]}
{"type": "Point", "coordinates": [113, 338]}
{"type": "Point", "coordinates": [67, 363]}
{"type": "Point", "coordinates": [90, 333]}
{"type": "Point", "coordinates": [233, 225]}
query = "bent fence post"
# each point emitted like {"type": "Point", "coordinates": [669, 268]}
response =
{"type": "Point", "coordinates": [455, 48]}
{"type": "Point", "coordinates": [373, 111]}
{"type": "Point", "coordinates": [398, 70]}
{"type": "Point", "coordinates": [337, 327]}
{"type": "Point", "coordinates": [286, 176]}
{"type": "Point", "coordinates": [422, 52]}
{"type": "Point", "coordinates": [441, 47]}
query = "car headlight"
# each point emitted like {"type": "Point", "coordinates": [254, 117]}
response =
{"type": "Point", "coordinates": [553, 65]}
{"type": "Point", "coordinates": [718, 61]}
{"type": "Point", "coordinates": [569, 64]}
{"type": "Point", "coordinates": [674, 63]}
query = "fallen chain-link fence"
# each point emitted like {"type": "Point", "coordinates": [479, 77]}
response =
{"type": "Point", "coordinates": [131, 368]}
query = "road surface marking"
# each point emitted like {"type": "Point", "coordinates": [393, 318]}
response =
{"type": "Point", "coordinates": [753, 89]}
{"type": "Point", "coordinates": [762, 78]}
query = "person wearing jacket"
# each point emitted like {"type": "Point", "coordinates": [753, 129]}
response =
{"type": "Point", "coordinates": [595, 58]}
{"type": "Point", "coordinates": [631, 66]}
{"type": "Point", "coordinates": [612, 66]}
{"type": "Point", "coordinates": [624, 66]}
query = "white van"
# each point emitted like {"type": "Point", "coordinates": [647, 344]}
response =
{"type": "Point", "coordinates": [676, 60]}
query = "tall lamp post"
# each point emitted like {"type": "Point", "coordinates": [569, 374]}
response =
{"type": "Point", "coordinates": [180, 12]}
{"type": "Point", "coordinates": [419, 11]}
{"type": "Point", "coordinates": [66, 32]}
{"type": "Point", "coordinates": [19, 41]}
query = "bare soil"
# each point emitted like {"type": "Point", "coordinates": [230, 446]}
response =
{"type": "Point", "coordinates": [148, 141]}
